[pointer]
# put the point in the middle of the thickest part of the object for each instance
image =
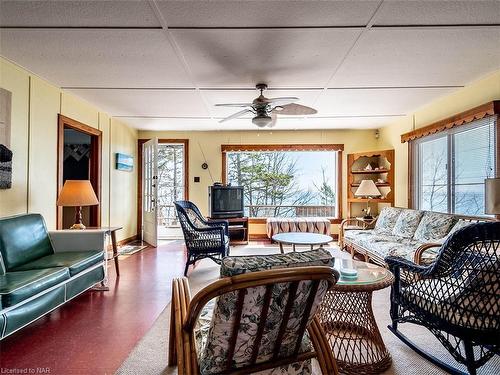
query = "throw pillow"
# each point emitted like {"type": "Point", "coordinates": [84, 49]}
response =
{"type": "Point", "coordinates": [407, 223]}
{"type": "Point", "coordinates": [433, 226]}
{"type": "Point", "coordinates": [387, 219]}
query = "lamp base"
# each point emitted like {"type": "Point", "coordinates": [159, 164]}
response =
{"type": "Point", "coordinates": [78, 226]}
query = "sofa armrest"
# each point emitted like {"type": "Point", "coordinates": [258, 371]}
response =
{"type": "Point", "coordinates": [78, 240]}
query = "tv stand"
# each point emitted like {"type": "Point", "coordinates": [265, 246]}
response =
{"type": "Point", "coordinates": [238, 230]}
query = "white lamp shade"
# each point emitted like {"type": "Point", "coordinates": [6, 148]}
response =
{"type": "Point", "coordinates": [492, 196]}
{"type": "Point", "coordinates": [367, 188]}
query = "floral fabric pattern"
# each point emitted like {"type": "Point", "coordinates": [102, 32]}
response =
{"type": "Point", "coordinates": [215, 345]}
{"type": "Point", "coordinates": [387, 219]}
{"type": "Point", "coordinates": [407, 223]}
{"type": "Point", "coordinates": [433, 226]}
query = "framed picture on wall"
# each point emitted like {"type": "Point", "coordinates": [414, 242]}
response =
{"type": "Point", "coordinates": [124, 162]}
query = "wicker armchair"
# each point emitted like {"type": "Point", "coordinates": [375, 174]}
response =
{"type": "Point", "coordinates": [204, 239]}
{"type": "Point", "coordinates": [262, 321]}
{"type": "Point", "coordinates": [457, 298]}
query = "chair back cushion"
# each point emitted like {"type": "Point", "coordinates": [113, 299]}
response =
{"type": "Point", "coordinates": [304, 303]}
{"type": "Point", "coordinates": [23, 238]}
{"type": "Point", "coordinates": [407, 223]}
{"type": "Point", "coordinates": [433, 226]}
{"type": "Point", "coordinates": [387, 219]}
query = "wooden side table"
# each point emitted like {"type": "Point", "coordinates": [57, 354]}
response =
{"type": "Point", "coordinates": [347, 318]}
{"type": "Point", "coordinates": [110, 231]}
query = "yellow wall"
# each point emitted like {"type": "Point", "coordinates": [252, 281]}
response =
{"type": "Point", "coordinates": [473, 95]}
{"type": "Point", "coordinates": [210, 142]}
{"type": "Point", "coordinates": [35, 105]}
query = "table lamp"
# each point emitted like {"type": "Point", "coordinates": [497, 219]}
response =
{"type": "Point", "coordinates": [367, 189]}
{"type": "Point", "coordinates": [77, 193]}
{"type": "Point", "coordinates": [492, 196]}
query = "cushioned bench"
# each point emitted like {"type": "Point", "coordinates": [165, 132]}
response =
{"type": "Point", "coordinates": [275, 225]}
{"type": "Point", "coordinates": [35, 276]}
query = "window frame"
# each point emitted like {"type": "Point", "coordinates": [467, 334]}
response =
{"type": "Point", "coordinates": [339, 148]}
{"type": "Point", "coordinates": [415, 168]}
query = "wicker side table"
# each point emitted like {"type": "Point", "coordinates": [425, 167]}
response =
{"type": "Point", "coordinates": [347, 318]}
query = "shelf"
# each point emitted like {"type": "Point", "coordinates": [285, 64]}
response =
{"type": "Point", "coordinates": [356, 184]}
{"type": "Point", "coordinates": [376, 200]}
{"type": "Point", "coordinates": [373, 171]}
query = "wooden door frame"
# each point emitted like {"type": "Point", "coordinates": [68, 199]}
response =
{"type": "Point", "coordinates": [140, 142]}
{"type": "Point", "coordinates": [95, 164]}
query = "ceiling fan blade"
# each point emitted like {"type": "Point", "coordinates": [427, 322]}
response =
{"type": "Point", "coordinates": [274, 118]}
{"type": "Point", "coordinates": [234, 105]}
{"type": "Point", "coordinates": [236, 115]}
{"type": "Point", "coordinates": [297, 110]}
{"type": "Point", "coordinates": [283, 100]}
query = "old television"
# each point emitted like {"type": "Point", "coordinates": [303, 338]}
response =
{"type": "Point", "coordinates": [225, 202]}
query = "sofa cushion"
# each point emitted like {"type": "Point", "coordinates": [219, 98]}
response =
{"type": "Point", "coordinates": [20, 285]}
{"type": "Point", "coordinates": [387, 219]}
{"type": "Point", "coordinates": [76, 261]}
{"type": "Point", "coordinates": [407, 223]}
{"type": "Point", "coordinates": [23, 239]}
{"type": "Point", "coordinates": [433, 226]}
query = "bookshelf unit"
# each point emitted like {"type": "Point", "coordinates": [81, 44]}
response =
{"type": "Point", "coordinates": [382, 173]}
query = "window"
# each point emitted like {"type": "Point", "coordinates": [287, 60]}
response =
{"type": "Point", "coordinates": [286, 181]}
{"type": "Point", "coordinates": [451, 166]}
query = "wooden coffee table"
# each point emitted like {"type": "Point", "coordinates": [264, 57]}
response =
{"type": "Point", "coordinates": [301, 238]}
{"type": "Point", "coordinates": [346, 315]}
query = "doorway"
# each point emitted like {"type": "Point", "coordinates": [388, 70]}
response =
{"type": "Point", "coordinates": [79, 158]}
{"type": "Point", "coordinates": [163, 179]}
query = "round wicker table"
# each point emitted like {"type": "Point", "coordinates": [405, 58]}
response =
{"type": "Point", "coordinates": [347, 318]}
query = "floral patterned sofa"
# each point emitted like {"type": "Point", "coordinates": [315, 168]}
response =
{"type": "Point", "coordinates": [411, 234]}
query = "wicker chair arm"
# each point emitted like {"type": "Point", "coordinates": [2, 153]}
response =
{"type": "Point", "coordinates": [219, 223]}
{"type": "Point", "coordinates": [417, 258]}
{"type": "Point", "coordinates": [407, 265]}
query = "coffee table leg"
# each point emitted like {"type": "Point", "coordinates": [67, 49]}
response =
{"type": "Point", "coordinates": [348, 321]}
{"type": "Point", "coordinates": [281, 248]}
{"type": "Point", "coordinates": [293, 247]}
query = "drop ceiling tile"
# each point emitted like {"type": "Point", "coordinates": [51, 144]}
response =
{"type": "Point", "coordinates": [172, 124]}
{"type": "Point", "coordinates": [266, 13]}
{"type": "Point", "coordinates": [153, 103]}
{"type": "Point", "coordinates": [307, 97]}
{"type": "Point", "coordinates": [421, 57]}
{"type": "Point", "coordinates": [96, 58]}
{"type": "Point", "coordinates": [436, 12]}
{"type": "Point", "coordinates": [122, 13]}
{"type": "Point", "coordinates": [279, 57]}
{"type": "Point", "coordinates": [363, 102]}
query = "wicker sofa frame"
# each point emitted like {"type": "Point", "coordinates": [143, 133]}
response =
{"type": "Point", "coordinates": [367, 255]}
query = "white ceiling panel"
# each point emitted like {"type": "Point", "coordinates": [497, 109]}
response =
{"type": "Point", "coordinates": [160, 103]}
{"type": "Point", "coordinates": [365, 102]}
{"type": "Point", "coordinates": [278, 57]}
{"type": "Point", "coordinates": [122, 13]}
{"type": "Point", "coordinates": [307, 97]}
{"type": "Point", "coordinates": [160, 124]}
{"type": "Point", "coordinates": [421, 57]}
{"type": "Point", "coordinates": [436, 12]}
{"type": "Point", "coordinates": [266, 13]}
{"type": "Point", "coordinates": [96, 58]}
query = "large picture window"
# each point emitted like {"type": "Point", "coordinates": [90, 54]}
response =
{"type": "Point", "coordinates": [450, 168]}
{"type": "Point", "coordinates": [286, 181]}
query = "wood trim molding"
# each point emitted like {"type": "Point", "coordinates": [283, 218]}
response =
{"type": "Point", "coordinates": [140, 142]}
{"type": "Point", "coordinates": [95, 164]}
{"type": "Point", "coordinates": [290, 147]}
{"type": "Point", "coordinates": [477, 113]}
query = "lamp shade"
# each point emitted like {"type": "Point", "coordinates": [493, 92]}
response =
{"type": "Point", "coordinates": [77, 193]}
{"type": "Point", "coordinates": [367, 188]}
{"type": "Point", "coordinates": [492, 196]}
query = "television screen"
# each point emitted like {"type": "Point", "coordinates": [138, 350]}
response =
{"type": "Point", "coordinates": [226, 201]}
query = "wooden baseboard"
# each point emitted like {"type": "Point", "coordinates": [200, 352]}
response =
{"type": "Point", "coordinates": [258, 237]}
{"type": "Point", "coordinates": [127, 240]}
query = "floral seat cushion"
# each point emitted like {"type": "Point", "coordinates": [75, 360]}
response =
{"type": "Point", "coordinates": [213, 348]}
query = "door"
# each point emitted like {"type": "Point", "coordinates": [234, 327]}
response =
{"type": "Point", "coordinates": [150, 191]}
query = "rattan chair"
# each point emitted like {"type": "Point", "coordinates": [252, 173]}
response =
{"type": "Point", "coordinates": [204, 239]}
{"type": "Point", "coordinates": [457, 297]}
{"type": "Point", "coordinates": [259, 323]}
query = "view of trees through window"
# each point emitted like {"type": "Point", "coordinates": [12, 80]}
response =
{"type": "Point", "coordinates": [170, 182]}
{"type": "Point", "coordinates": [285, 183]}
{"type": "Point", "coordinates": [452, 168]}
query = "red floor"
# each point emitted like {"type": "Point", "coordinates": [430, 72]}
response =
{"type": "Point", "coordinates": [95, 332]}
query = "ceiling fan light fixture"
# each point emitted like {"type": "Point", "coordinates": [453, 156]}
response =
{"type": "Point", "coordinates": [262, 120]}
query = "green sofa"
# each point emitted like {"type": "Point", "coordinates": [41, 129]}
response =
{"type": "Point", "coordinates": [36, 277]}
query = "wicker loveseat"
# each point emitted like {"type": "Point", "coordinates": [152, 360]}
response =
{"type": "Point", "coordinates": [411, 234]}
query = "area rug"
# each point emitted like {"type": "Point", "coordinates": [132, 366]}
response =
{"type": "Point", "coordinates": [149, 357]}
{"type": "Point", "coordinates": [131, 248]}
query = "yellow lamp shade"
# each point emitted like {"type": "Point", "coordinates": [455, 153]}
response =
{"type": "Point", "coordinates": [367, 188]}
{"type": "Point", "coordinates": [77, 193]}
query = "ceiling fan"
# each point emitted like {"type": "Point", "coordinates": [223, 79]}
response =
{"type": "Point", "coordinates": [267, 109]}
